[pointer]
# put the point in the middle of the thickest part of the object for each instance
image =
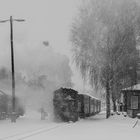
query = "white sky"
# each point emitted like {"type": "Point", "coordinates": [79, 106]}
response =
{"type": "Point", "coordinates": [46, 20]}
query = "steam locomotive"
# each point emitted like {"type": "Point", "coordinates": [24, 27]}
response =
{"type": "Point", "coordinates": [6, 106]}
{"type": "Point", "coordinates": [70, 106]}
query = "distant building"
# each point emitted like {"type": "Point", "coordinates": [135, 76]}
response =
{"type": "Point", "coordinates": [131, 100]}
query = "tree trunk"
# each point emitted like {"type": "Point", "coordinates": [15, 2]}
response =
{"type": "Point", "coordinates": [107, 100]}
{"type": "Point", "coordinates": [114, 106]}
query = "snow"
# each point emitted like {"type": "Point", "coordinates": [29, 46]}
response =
{"type": "Point", "coordinates": [31, 127]}
{"type": "Point", "coordinates": [134, 87]}
{"type": "Point", "coordinates": [88, 94]}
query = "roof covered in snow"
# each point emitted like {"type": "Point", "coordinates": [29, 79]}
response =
{"type": "Point", "coordinates": [2, 92]}
{"type": "Point", "coordinates": [88, 94]}
{"type": "Point", "coordinates": [134, 87]}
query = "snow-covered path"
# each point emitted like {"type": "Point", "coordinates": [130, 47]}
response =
{"type": "Point", "coordinates": [27, 125]}
{"type": "Point", "coordinates": [95, 128]}
{"type": "Point", "coordinates": [116, 127]}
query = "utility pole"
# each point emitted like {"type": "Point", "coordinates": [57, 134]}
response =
{"type": "Point", "coordinates": [13, 115]}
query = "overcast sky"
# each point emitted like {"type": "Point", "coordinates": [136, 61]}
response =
{"type": "Point", "coordinates": [46, 20]}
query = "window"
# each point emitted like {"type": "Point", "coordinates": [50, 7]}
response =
{"type": "Point", "coordinates": [134, 102]}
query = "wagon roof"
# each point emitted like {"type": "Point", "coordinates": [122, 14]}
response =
{"type": "Point", "coordinates": [90, 96]}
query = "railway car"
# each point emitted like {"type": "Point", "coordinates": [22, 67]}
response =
{"type": "Point", "coordinates": [84, 105]}
{"type": "Point", "coordinates": [88, 105]}
{"type": "Point", "coordinates": [65, 104]}
{"type": "Point", "coordinates": [69, 105]}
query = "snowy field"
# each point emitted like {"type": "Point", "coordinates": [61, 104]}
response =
{"type": "Point", "coordinates": [116, 127]}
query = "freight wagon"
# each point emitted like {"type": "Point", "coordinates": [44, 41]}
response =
{"type": "Point", "coordinates": [69, 105]}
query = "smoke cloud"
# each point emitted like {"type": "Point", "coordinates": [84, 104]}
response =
{"type": "Point", "coordinates": [38, 74]}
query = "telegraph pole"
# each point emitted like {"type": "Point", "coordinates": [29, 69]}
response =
{"type": "Point", "coordinates": [13, 70]}
{"type": "Point", "coordinates": [13, 115]}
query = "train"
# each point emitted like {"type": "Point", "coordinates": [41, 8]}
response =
{"type": "Point", "coordinates": [70, 106]}
{"type": "Point", "coordinates": [6, 106]}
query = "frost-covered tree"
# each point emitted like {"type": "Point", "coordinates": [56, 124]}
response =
{"type": "Point", "coordinates": [104, 44]}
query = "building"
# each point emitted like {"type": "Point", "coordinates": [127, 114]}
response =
{"type": "Point", "coordinates": [131, 100]}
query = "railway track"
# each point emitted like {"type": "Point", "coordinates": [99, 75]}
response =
{"type": "Point", "coordinates": [31, 133]}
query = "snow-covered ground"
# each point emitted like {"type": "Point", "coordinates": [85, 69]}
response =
{"type": "Point", "coordinates": [30, 127]}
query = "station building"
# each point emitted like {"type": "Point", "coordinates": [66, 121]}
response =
{"type": "Point", "coordinates": [131, 100]}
